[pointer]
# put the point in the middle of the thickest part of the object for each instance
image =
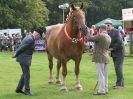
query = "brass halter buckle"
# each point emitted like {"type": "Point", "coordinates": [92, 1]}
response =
{"type": "Point", "coordinates": [74, 40]}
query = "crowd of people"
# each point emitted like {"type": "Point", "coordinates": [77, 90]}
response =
{"type": "Point", "coordinates": [10, 42]}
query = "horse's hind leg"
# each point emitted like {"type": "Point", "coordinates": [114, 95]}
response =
{"type": "Point", "coordinates": [78, 86]}
{"type": "Point", "coordinates": [58, 72]}
{"type": "Point", "coordinates": [50, 58]}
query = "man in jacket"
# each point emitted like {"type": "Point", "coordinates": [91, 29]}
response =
{"type": "Point", "coordinates": [23, 55]}
{"type": "Point", "coordinates": [117, 53]}
{"type": "Point", "coordinates": [101, 58]}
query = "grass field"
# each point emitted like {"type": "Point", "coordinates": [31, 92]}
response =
{"type": "Point", "coordinates": [10, 73]}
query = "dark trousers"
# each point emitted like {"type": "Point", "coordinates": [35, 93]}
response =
{"type": "Point", "coordinates": [118, 64]}
{"type": "Point", "coordinates": [25, 78]}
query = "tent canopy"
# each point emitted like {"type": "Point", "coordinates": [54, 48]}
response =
{"type": "Point", "coordinates": [116, 23]}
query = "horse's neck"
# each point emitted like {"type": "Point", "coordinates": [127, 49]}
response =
{"type": "Point", "coordinates": [72, 30]}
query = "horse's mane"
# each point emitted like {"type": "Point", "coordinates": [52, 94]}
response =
{"type": "Point", "coordinates": [51, 26]}
{"type": "Point", "coordinates": [70, 13]}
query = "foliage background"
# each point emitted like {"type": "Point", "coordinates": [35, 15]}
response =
{"type": "Point", "coordinates": [30, 14]}
{"type": "Point", "coordinates": [25, 14]}
{"type": "Point", "coordinates": [96, 10]}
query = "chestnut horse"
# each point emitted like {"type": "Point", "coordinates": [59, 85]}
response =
{"type": "Point", "coordinates": [65, 42]}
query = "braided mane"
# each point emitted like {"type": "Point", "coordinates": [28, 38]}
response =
{"type": "Point", "coordinates": [70, 13]}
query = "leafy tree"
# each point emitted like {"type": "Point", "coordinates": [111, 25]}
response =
{"type": "Point", "coordinates": [26, 14]}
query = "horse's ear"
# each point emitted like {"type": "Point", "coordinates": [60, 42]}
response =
{"type": "Point", "coordinates": [73, 7]}
{"type": "Point", "coordinates": [81, 7]}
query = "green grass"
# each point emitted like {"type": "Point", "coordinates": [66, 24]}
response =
{"type": "Point", "coordinates": [10, 73]}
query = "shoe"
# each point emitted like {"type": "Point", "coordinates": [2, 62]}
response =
{"type": "Point", "coordinates": [19, 91]}
{"type": "Point", "coordinates": [99, 93]}
{"type": "Point", "coordinates": [118, 87]}
{"type": "Point", "coordinates": [27, 92]}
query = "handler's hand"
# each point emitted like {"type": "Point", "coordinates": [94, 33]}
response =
{"type": "Point", "coordinates": [110, 49]}
{"type": "Point", "coordinates": [109, 52]}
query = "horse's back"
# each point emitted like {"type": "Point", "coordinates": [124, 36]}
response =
{"type": "Point", "coordinates": [53, 30]}
{"type": "Point", "coordinates": [53, 26]}
{"type": "Point", "coordinates": [53, 38]}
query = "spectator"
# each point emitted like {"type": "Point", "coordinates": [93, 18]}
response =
{"type": "Point", "coordinates": [1, 37]}
{"type": "Point", "coordinates": [121, 31]}
{"type": "Point", "coordinates": [14, 42]}
{"type": "Point", "coordinates": [23, 35]}
{"type": "Point", "coordinates": [93, 32]}
{"type": "Point", "coordinates": [5, 42]}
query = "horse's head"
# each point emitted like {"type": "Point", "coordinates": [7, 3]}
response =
{"type": "Point", "coordinates": [78, 19]}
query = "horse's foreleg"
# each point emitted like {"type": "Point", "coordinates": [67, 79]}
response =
{"type": "Point", "coordinates": [50, 58]}
{"type": "Point", "coordinates": [58, 71]}
{"type": "Point", "coordinates": [78, 86]}
{"type": "Point", "coordinates": [64, 73]}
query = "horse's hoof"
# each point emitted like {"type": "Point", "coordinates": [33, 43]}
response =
{"type": "Point", "coordinates": [50, 82]}
{"type": "Point", "coordinates": [58, 81]}
{"type": "Point", "coordinates": [63, 89]}
{"type": "Point", "coordinates": [79, 87]}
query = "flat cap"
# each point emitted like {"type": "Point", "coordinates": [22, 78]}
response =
{"type": "Point", "coordinates": [40, 31]}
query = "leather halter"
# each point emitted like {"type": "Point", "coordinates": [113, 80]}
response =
{"type": "Point", "coordinates": [74, 40]}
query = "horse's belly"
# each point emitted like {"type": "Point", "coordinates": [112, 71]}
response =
{"type": "Point", "coordinates": [72, 52]}
{"type": "Point", "coordinates": [54, 52]}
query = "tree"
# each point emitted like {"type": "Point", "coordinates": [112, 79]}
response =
{"type": "Point", "coordinates": [25, 14]}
